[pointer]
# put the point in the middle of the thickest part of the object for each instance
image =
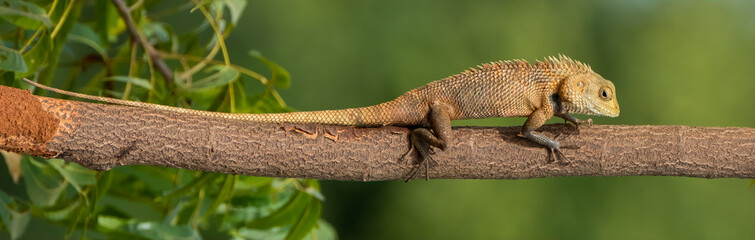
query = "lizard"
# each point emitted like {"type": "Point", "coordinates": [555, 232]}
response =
{"type": "Point", "coordinates": [556, 86]}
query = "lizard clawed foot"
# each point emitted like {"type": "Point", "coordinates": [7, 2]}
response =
{"type": "Point", "coordinates": [411, 149]}
{"type": "Point", "coordinates": [423, 161]}
{"type": "Point", "coordinates": [413, 173]}
{"type": "Point", "coordinates": [415, 169]}
{"type": "Point", "coordinates": [422, 140]}
{"type": "Point", "coordinates": [576, 122]}
{"type": "Point", "coordinates": [557, 156]}
{"type": "Point", "coordinates": [562, 135]}
{"type": "Point", "coordinates": [572, 146]}
{"type": "Point", "coordinates": [554, 148]}
{"type": "Point", "coordinates": [569, 133]}
{"type": "Point", "coordinates": [587, 122]}
{"type": "Point", "coordinates": [424, 151]}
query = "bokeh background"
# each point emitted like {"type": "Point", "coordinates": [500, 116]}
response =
{"type": "Point", "coordinates": [673, 62]}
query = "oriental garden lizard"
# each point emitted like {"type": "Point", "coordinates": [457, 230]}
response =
{"type": "Point", "coordinates": [556, 86]}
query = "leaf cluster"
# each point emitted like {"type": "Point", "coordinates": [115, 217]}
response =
{"type": "Point", "coordinates": [86, 46]}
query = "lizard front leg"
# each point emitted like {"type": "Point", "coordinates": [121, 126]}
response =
{"type": "Point", "coordinates": [421, 138]}
{"type": "Point", "coordinates": [575, 121]}
{"type": "Point", "coordinates": [535, 121]}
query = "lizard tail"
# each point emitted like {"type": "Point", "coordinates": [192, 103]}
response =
{"type": "Point", "coordinates": [396, 112]}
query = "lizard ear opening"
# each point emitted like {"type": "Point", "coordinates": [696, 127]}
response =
{"type": "Point", "coordinates": [570, 88]}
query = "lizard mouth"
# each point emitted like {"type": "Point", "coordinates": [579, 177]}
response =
{"type": "Point", "coordinates": [602, 110]}
{"type": "Point", "coordinates": [613, 113]}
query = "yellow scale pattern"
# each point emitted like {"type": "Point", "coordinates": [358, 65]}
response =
{"type": "Point", "coordinates": [497, 89]}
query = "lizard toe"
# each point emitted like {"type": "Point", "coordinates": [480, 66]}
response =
{"type": "Point", "coordinates": [551, 156]}
{"type": "Point", "coordinates": [562, 159]}
{"type": "Point", "coordinates": [572, 146]}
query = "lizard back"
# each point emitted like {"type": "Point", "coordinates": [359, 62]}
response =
{"type": "Point", "coordinates": [498, 89]}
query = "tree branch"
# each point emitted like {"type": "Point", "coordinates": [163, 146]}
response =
{"type": "Point", "coordinates": [125, 13]}
{"type": "Point", "coordinates": [105, 136]}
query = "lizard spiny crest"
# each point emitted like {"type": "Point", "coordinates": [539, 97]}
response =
{"type": "Point", "coordinates": [561, 62]}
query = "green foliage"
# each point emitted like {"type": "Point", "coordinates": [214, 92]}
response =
{"type": "Point", "coordinates": [13, 219]}
{"type": "Point", "coordinates": [280, 78]}
{"type": "Point", "coordinates": [23, 14]}
{"type": "Point", "coordinates": [84, 46]}
{"type": "Point", "coordinates": [11, 59]}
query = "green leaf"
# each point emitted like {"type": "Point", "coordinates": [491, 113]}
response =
{"type": "Point", "coordinates": [306, 221]}
{"type": "Point", "coordinates": [110, 223]}
{"type": "Point", "coordinates": [309, 217]}
{"type": "Point", "coordinates": [265, 103]}
{"type": "Point", "coordinates": [18, 223]}
{"type": "Point", "coordinates": [224, 104]}
{"type": "Point", "coordinates": [223, 76]}
{"type": "Point", "coordinates": [159, 179]}
{"type": "Point", "coordinates": [248, 233]}
{"type": "Point", "coordinates": [5, 209]}
{"type": "Point", "coordinates": [315, 193]}
{"type": "Point", "coordinates": [42, 185]}
{"type": "Point", "coordinates": [84, 34]}
{"type": "Point", "coordinates": [148, 230]}
{"type": "Point", "coordinates": [286, 214]}
{"type": "Point", "coordinates": [235, 7]}
{"type": "Point", "coordinates": [139, 82]}
{"type": "Point", "coordinates": [226, 192]}
{"type": "Point", "coordinates": [15, 221]}
{"type": "Point", "coordinates": [36, 57]}
{"type": "Point", "coordinates": [324, 231]}
{"type": "Point", "coordinates": [23, 14]}
{"type": "Point", "coordinates": [11, 60]}
{"type": "Point", "coordinates": [155, 31]}
{"type": "Point", "coordinates": [9, 79]}
{"type": "Point", "coordinates": [172, 215]}
{"type": "Point", "coordinates": [281, 78]}
{"type": "Point", "coordinates": [252, 181]}
{"type": "Point", "coordinates": [101, 187]}
{"type": "Point", "coordinates": [64, 213]}
{"type": "Point", "coordinates": [191, 187]}
{"type": "Point", "coordinates": [85, 31]}
{"type": "Point", "coordinates": [75, 174]}
{"type": "Point", "coordinates": [90, 43]}
{"type": "Point", "coordinates": [106, 21]}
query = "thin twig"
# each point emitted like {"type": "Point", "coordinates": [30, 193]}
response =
{"type": "Point", "coordinates": [216, 28]}
{"type": "Point", "coordinates": [62, 20]}
{"type": "Point", "coordinates": [149, 49]}
{"type": "Point", "coordinates": [204, 61]}
{"type": "Point", "coordinates": [137, 4]}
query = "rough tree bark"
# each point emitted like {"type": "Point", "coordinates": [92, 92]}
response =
{"type": "Point", "coordinates": [102, 136]}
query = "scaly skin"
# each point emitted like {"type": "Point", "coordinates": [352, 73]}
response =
{"type": "Point", "coordinates": [557, 86]}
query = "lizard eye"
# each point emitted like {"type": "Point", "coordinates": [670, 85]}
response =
{"type": "Point", "coordinates": [605, 94]}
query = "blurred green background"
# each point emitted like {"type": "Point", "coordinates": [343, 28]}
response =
{"type": "Point", "coordinates": [673, 62]}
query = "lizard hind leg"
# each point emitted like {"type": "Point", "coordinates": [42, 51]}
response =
{"type": "Point", "coordinates": [422, 139]}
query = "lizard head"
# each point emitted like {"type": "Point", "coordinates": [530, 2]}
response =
{"type": "Point", "coordinates": [589, 93]}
